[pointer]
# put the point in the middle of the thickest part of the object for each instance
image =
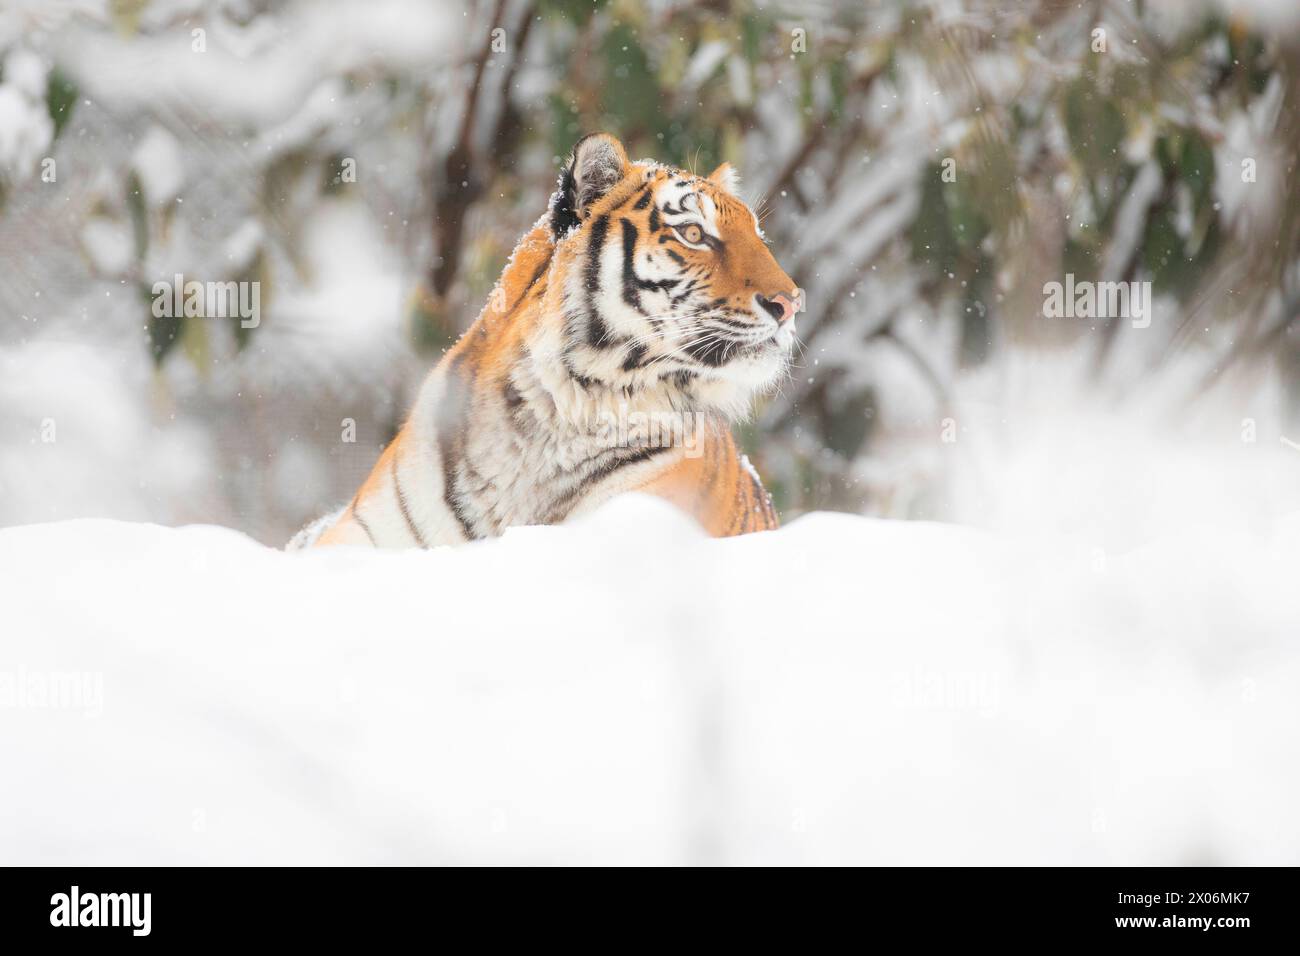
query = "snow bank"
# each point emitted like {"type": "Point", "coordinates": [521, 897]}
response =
{"type": "Point", "coordinates": [844, 690]}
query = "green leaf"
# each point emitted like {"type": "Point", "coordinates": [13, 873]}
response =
{"type": "Point", "coordinates": [631, 95]}
{"type": "Point", "coordinates": [1162, 252]}
{"type": "Point", "coordinates": [754, 27]}
{"type": "Point", "coordinates": [838, 72]}
{"type": "Point", "coordinates": [1196, 167]}
{"type": "Point", "coordinates": [195, 343]}
{"type": "Point", "coordinates": [1081, 258]}
{"type": "Point", "coordinates": [976, 320]}
{"type": "Point", "coordinates": [575, 11]}
{"type": "Point", "coordinates": [163, 331]}
{"type": "Point", "coordinates": [60, 98]}
{"type": "Point", "coordinates": [139, 212]}
{"type": "Point", "coordinates": [933, 240]}
{"type": "Point", "coordinates": [564, 127]}
{"type": "Point", "coordinates": [968, 220]}
{"type": "Point", "coordinates": [1095, 127]}
{"type": "Point", "coordinates": [258, 271]}
{"type": "Point", "coordinates": [847, 425]}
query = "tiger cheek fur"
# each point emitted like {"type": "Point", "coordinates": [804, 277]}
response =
{"type": "Point", "coordinates": [634, 322]}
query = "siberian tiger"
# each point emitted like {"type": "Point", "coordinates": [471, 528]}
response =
{"type": "Point", "coordinates": [640, 316]}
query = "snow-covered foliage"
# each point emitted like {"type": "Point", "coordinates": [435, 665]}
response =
{"type": "Point", "coordinates": [623, 690]}
{"type": "Point", "coordinates": [922, 169]}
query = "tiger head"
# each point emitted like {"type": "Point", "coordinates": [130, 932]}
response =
{"type": "Point", "coordinates": [669, 281]}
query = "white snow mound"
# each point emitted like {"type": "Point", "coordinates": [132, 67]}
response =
{"type": "Point", "coordinates": [624, 690]}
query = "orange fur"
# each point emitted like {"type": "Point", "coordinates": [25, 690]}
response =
{"type": "Point", "coordinates": [479, 376]}
{"type": "Point", "coordinates": [717, 490]}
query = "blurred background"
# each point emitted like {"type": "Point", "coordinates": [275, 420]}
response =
{"type": "Point", "coordinates": [923, 169]}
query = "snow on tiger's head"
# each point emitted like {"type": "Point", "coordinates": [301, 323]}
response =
{"type": "Point", "coordinates": [668, 279]}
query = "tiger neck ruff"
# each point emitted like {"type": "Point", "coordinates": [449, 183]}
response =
{"type": "Point", "coordinates": [634, 322]}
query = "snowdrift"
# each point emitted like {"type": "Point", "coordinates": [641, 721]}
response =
{"type": "Point", "coordinates": [623, 690]}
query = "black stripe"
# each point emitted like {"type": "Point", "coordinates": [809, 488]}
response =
{"type": "Point", "coordinates": [452, 498]}
{"type": "Point", "coordinates": [644, 454]}
{"type": "Point", "coordinates": [630, 295]}
{"type": "Point", "coordinates": [599, 228]}
{"type": "Point", "coordinates": [709, 350]}
{"type": "Point", "coordinates": [598, 333]}
{"type": "Point", "coordinates": [733, 323]}
{"type": "Point", "coordinates": [514, 398]}
{"type": "Point", "coordinates": [739, 509]}
{"type": "Point", "coordinates": [669, 209]}
{"type": "Point", "coordinates": [563, 215]}
{"type": "Point", "coordinates": [682, 377]}
{"type": "Point", "coordinates": [644, 200]}
{"type": "Point", "coordinates": [541, 271]}
{"type": "Point", "coordinates": [574, 374]}
{"type": "Point", "coordinates": [635, 357]}
{"type": "Point", "coordinates": [450, 421]}
{"type": "Point", "coordinates": [622, 202]}
{"type": "Point", "coordinates": [632, 283]}
{"type": "Point", "coordinates": [402, 506]}
{"type": "Point", "coordinates": [356, 515]}
{"type": "Point", "coordinates": [559, 510]}
{"type": "Point", "coordinates": [516, 408]}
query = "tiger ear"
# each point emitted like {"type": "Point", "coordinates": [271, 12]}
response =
{"type": "Point", "coordinates": [726, 177]}
{"type": "Point", "coordinates": [597, 164]}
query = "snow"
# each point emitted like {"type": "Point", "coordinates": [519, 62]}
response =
{"type": "Point", "coordinates": [352, 313]}
{"type": "Point", "coordinates": [25, 133]}
{"type": "Point", "coordinates": [159, 165]}
{"type": "Point", "coordinates": [263, 75]}
{"type": "Point", "coordinates": [625, 690]}
{"type": "Point", "coordinates": [704, 63]}
{"type": "Point", "coordinates": [1248, 201]}
{"type": "Point", "coordinates": [108, 245]}
{"type": "Point", "coordinates": [77, 439]}
{"type": "Point", "coordinates": [25, 72]}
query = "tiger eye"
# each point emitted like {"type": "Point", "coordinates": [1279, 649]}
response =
{"type": "Point", "coordinates": [692, 233]}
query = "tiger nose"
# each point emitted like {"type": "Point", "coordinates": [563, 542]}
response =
{"type": "Point", "coordinates": [781, 306]}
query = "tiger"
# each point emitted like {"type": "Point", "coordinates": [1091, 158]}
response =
{"type": "Point", "coordinates": [641, 316]}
